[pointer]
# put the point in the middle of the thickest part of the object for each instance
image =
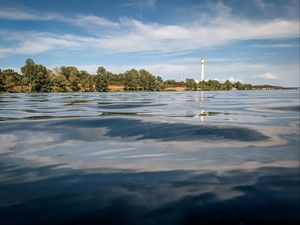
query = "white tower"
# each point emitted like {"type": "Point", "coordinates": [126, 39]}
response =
{"type": "Point", "coordinates": [202, 69]}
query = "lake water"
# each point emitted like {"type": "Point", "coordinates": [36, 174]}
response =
{"type": "Point", "coordinates": [150, 158]}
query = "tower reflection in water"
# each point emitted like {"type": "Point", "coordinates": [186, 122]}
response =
{"type": "Point", "coordinates": [202, 112]}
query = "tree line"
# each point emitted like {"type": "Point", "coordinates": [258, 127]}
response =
{"type": "Point", "coordinates": [37, 78]}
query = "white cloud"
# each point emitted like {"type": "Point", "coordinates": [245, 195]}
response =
{"type": "Point", "coordinates": [234, 79]}
{"type": "Point", "coordinates": [29, 43]}
{"type": "Point", "coordinates": [221, 10]}
{"type": "Point", "coordinates": [5, 51]}
{"type": "Point", "coordinates": [79, 20]}
{"type": "Point", "coordinates": [269, 76]}
{"type": "Point", "coordinates": [231, 79]}
{"type": "Point", "coordinates": [166, 68]}
{"type": "Point", "coordinates": [90, 20]}
{"type": "Point", "coordinates": [141, 4]}
{"type": "Point", "coordinates": [136, 36]}
{"type": "Point", "coordinates": [276, 46]}
{"type": "Point", "coordinates": [25, 15]}
{"type": "Point", "coordinates": [130, 35]}
{"type": "Point", "coordinates": [238, 67]}
{"type": "Point", "coordinates": [260, 5]}
{"type": "Point", "coordinates": [15, 14]}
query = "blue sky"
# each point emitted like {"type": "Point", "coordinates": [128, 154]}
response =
{"type": "Point", "coordinates": [251, 41]}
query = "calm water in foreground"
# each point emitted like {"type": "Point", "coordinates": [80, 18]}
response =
{"type": "Point", "coordinates": [150, 158]}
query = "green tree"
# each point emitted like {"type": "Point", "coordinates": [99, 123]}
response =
{"type": "Point", "coordinates": [131, 80]}
{"type": "Point", "coordinates": [158, 84]}
{"type": "Point", "coordinates": [73, 77]}
{"type": "Point", "coordinates": [41, 81]}
{"type": "Point", "coordinates": [227, 85]}
{"type": "Point", "coordinates": [202, 85]}
{"type": "Point", "coordinates": [29, 70]}
{"type": "Point", "coordinates": [191, 84]}
{"type": "Point", "coordinates": [10, 81]}
{"type": "Point", "coordinates": [37, 77]}
{"type": "Point", "coordinates": [248, 87]}
{"type": "Point", "coordinates": [115, 79]}
{"type": "Point", "coordinates": [144, 77]}
{"type": "Point", "coordinates": [148, 82]}
{"type": "Point", "coordinates": [238, 85]}
{"type": "Point", "coordinates": [1, 81]}
{"type": "Point", "coordinates": [59, 83]}
{"type": "Point", "coordinates": [102, 79]}
{"type": "Point", "coordinates": [86, 81]}
{"type": "Point", "coordinates": [213, 85]}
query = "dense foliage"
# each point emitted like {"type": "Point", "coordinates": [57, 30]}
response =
{"type": "Point", "coordinates": [37, 78]}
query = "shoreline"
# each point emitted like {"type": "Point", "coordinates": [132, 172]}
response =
{"type": "Point", "coordinates": [170, 90]}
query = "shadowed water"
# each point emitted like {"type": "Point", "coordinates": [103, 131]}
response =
{"type": "Point", "coordinates": [150, 158]}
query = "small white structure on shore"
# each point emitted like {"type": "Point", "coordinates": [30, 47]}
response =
{"type": "Point", "coordinates": [202, 69]}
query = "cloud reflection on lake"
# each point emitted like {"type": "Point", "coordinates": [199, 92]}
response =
{"type": "Point", "coordinates": [155, 162]}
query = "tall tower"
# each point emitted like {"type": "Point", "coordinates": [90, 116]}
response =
{"type": "Point", "coordinates": [202, 69]}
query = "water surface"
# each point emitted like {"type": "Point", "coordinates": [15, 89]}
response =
{"type": "Point", "coordinates": [150, 158]}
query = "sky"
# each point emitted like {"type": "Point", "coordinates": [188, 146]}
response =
{"type": "Point", "coordinates": [253, 41]}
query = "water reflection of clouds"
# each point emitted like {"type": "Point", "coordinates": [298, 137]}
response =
{"type": "Point", "coordinates": [170, 197]}
{"type": "Point", "coordinates": [142, 145]}
{"type": "Point", "coordinates": [158, 167]}
{"type": "Point", "coordinates": [163, 131]}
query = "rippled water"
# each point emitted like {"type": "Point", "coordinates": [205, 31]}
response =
{"type": "Point", "coordinates": [150, 158]}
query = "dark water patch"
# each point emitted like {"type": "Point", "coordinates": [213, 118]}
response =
{"type": "Point", "coordinates": [105, 103]}
{"type": "Point", "coordinates": [5, 101]}
{"type": "Point", "coordinates": [39, 100]}
{"type": "Point", "coordinates": [9, 95]}
{"type": "Point", "coordinates": [179, 131]}
{"type": "Point", "coordinates": [40, 117]}
{"type": "Point", "coordinates": [7, 118]}
{"type": "Point", "coordinates": [72, 110]}
{"type": "Point", "coordinates": [128, 106]}
{"type": "Point", "coordinates": [36, 118]}
{"type": "Point", "coordinates": [123, 102]}
{"type": "Point", "coordinates": [140, 130]}
{"type": "Point", "coordinates": [286, 108]}
{"type": "Point", "coordinates": [48, 117]}
{"type": "Point", "coordinates": [136, 129]}
{"type": "Point", "coordinates": [214, 113]}
{"type": "Point", "coordinates": [263, 196]}
{"type": "Point", "coordinates": [121, 106]}
{"type": "Point", "coordinates": [118, 113]}
{"type": "Point", "coordinates": [77, 102]}
{"type": "Point", "coordinates": [51, 108]}
{"type": "Point", "coordinates": [30, 110]}
{"type": "Point", "coordinates": [139, 114]}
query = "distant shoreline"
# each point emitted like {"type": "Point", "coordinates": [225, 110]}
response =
{"type": "Point", "coordinates": [167, 90]}
{"type": "Point", "coordinates": [37, 78]}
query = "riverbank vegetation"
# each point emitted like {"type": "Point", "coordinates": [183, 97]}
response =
{"type": "Point", "coordinates": [37, 78]}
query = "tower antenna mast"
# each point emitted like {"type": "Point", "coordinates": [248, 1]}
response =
{"type": "Point", "coordinates": [202, 68]}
